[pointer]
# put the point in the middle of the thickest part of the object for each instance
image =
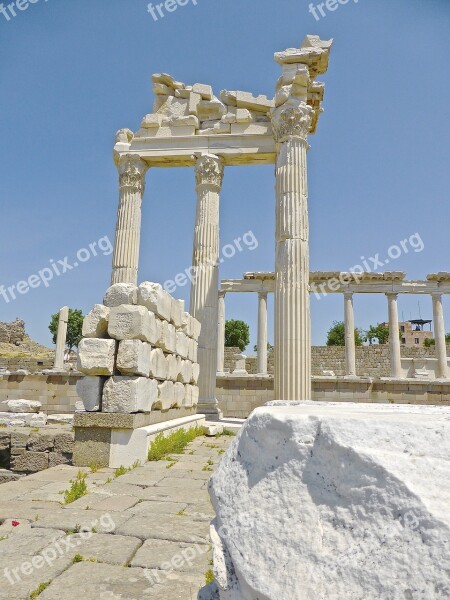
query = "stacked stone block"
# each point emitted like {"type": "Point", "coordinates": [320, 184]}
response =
{"type": "Point", "coordinates": [25, 452]}
{"type": "Point", "coordinates": [139, 352]}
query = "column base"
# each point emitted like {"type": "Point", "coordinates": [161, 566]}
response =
{"type": "Point", "coordinates": [210, 409]}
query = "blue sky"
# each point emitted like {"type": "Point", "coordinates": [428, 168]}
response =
{"type": "Point", "coordinates": [73, 73]}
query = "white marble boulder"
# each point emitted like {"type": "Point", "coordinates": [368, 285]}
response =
{"type": "Point", "coordinates": [317, 501]}
{"type": "Point", "coordinates": [130, 323]}
{"type": "Point", "coordinates": [95, 323]}
{"type": "Point", "coordinates": [120, 293]}
{"type": "Point", "coordinates": [96, 356]}
{"type": "Point", "coordinates": [22, 406]}
{"type": "Point", "coordinates": [129, 395]}
{"type": "Point", "coordinates": [133, 358]}
{"type": "Point", "coordinates": [155, 299]}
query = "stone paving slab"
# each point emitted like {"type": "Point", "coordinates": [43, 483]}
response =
{"type": "Point", "coordinates": [165, 527]}
{"type": "Point", "coordinates": [147, 530]}
{"type": "Point", "coordinates": [159, 554]}
{"type": "Point", "coordinates": [186, 483]}
{"type": "Point", "coordinates": [148, 507]}
{"type": "Point", "coordinates": [95, 581]}
{"type": "Point", "coordinates": [111, 549]}
{"type": "Point", "coordinates": [71, 520]}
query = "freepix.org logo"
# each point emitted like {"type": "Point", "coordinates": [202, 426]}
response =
{"type": "Point", "coordinates": [9, 11]}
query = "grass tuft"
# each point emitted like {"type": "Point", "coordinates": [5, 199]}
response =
{"type": "Point", "coordinates": [38, 591]}
{"type": "Point", "coordinates": [78, 488]}
{"type": "Point", "coordinates": [175, 443]}
{"type": "Point", "coordinates": [209, 576]}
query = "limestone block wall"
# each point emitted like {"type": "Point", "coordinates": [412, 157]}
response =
{"type": "Point", "coordinates": [23, 451]}
{"type": "Point", "coordinates": [371, 361]}
{"type": "Point", "coordinates": [139, 352]}
{"type": "Point", "coordinates": [238, 396]}
{"type": "Point", "coordinates": [57, 393]}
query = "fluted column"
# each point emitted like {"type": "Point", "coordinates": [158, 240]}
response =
{"type": "Point", "coordinates": [61, 337]}
{"type": "Point", "coordinates": [132, 171]}
{"type": "Point", "coordinates": [204, 292]}
{"type": "Point", "coordinates": [439, 336]}
{"type": "Point", "coordinates": [292, 308]}
{"type": "Point", "coordinates": [350, 344]}
{"type": "Point", "coordinates": [221, 334]}
{"type": "Point", "coordinates": [262, 333]}
{"type": "Point", "coordinates": [394, 337]}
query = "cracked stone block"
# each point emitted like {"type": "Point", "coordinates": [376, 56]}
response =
{"type": "Point", "coordinates": [179, 394]}
{"type": "Point", "coordinates": [185, 375]}
{"type": "Point", "coordinates": [177, 312]}
{"type": "Point", "coordinates": [64, 443]}
{"type": "Point", "coordinates": [120, 293]}
{"type": "Point", "coordinates": [133, 358]}
{"type": "Point", "coordinates": [29, 462]}
{"type": "Point", "coordinates": [41, 442]}
{"type": "Point", "coordinates": [191, 396]}
{"type": "Point", "coordinates": [168, 339]}
{"type": "Point", "coordinates": [174, 367]}
{"type": "Point", "coordinates": [90, 390]}
{"type": "Point", "coordinates": [159, 366]}
{"type": "Point", "coordinates": [130, 323]}
{"type": "Point", "coordinates": [96, 356]}
{"type": "Point", "coordinates": [195, 373]}
{"type": "Point", "coordinates": [95, 323]}
{"type": "Point", "coordinates": [129, 394]}
{"type": "Point", "coordinates": [182, 344]}
{"type": "Point", "coordinates": [193, 351]}
{"type": "Point", "coordinates": [166, 396]}
{"type": "Point", "coordinates": [155, 298]}
{"type": "Point", "coordinates": [59, 458]}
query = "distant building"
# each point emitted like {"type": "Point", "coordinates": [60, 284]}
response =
{"type": "Point", "coordinates": [413, 333]}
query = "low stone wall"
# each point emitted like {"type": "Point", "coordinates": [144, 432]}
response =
{"type": "Point", "coordinates": [56, 393]}
{"type": "Point", "coordinates": [371, 361]}
{"type": "Point", "coordinates": [25, 451]}
{"type": "Point", "coordinates": [238, 396]}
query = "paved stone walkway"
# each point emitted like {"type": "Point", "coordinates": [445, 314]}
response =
{"type": "Point", "coordinates": [144, 534]}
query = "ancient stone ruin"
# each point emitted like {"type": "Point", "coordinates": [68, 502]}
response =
{"type": "Point", "coordinates": [12, 333]}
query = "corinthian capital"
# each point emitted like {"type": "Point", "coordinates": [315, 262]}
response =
{"type": "Point", "coordinates": [292, 121]}
{"type": "Point", "coordinates": [132, 170]}
{"type": "Point", "coordinates": [209, 170]}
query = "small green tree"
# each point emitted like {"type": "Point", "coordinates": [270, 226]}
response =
{"type": "Point", "coordinates": [379, 333]}
{"type": "Point", "coordinates": [74, 327]}
{"type": "Point", "coordinates": [336, 335]}
{"type": "Point", "coordinates": [269, 347]}
{"type": "Point", "coordinates": [237, 334]}
{"type": "Point", "coordinates": [432, 342]}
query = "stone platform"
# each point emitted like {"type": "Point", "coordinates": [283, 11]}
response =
{"type": "Point", "coordinates": [146, 533]}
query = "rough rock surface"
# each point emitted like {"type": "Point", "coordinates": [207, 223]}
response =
{"type": "Point", "coordinates": [326, 502]}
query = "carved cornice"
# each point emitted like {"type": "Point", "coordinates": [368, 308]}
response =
{"type": "Point", "coordinates": [209, 170]}
{"type": "Point", "coordinates": [132, 170]}
{"type": "Point", "coordinates": [290, 122]}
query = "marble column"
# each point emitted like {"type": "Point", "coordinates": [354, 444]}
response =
{"type": "Point", "coordinates": [394, 337]}
{"type": "Point", "coordinates": [204, 306]}
{"type": "Point", "coordinates": [221, 334]}
{"type": "Point", "coordinates": [61, 337]}
{"type": "Point", "coordinates": [291, 126]}
{"type": "Point", "coordinates": [350, 345]}
{"type": "Point", "coordinates": [262, 333]}
{"type": "Point", "coordinates": [439, 336]}
{"type": "Point", "coordinates": [132, 171]}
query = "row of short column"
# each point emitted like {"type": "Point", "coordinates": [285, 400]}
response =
{"type": "Point", "coordinates": [394, 336]}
